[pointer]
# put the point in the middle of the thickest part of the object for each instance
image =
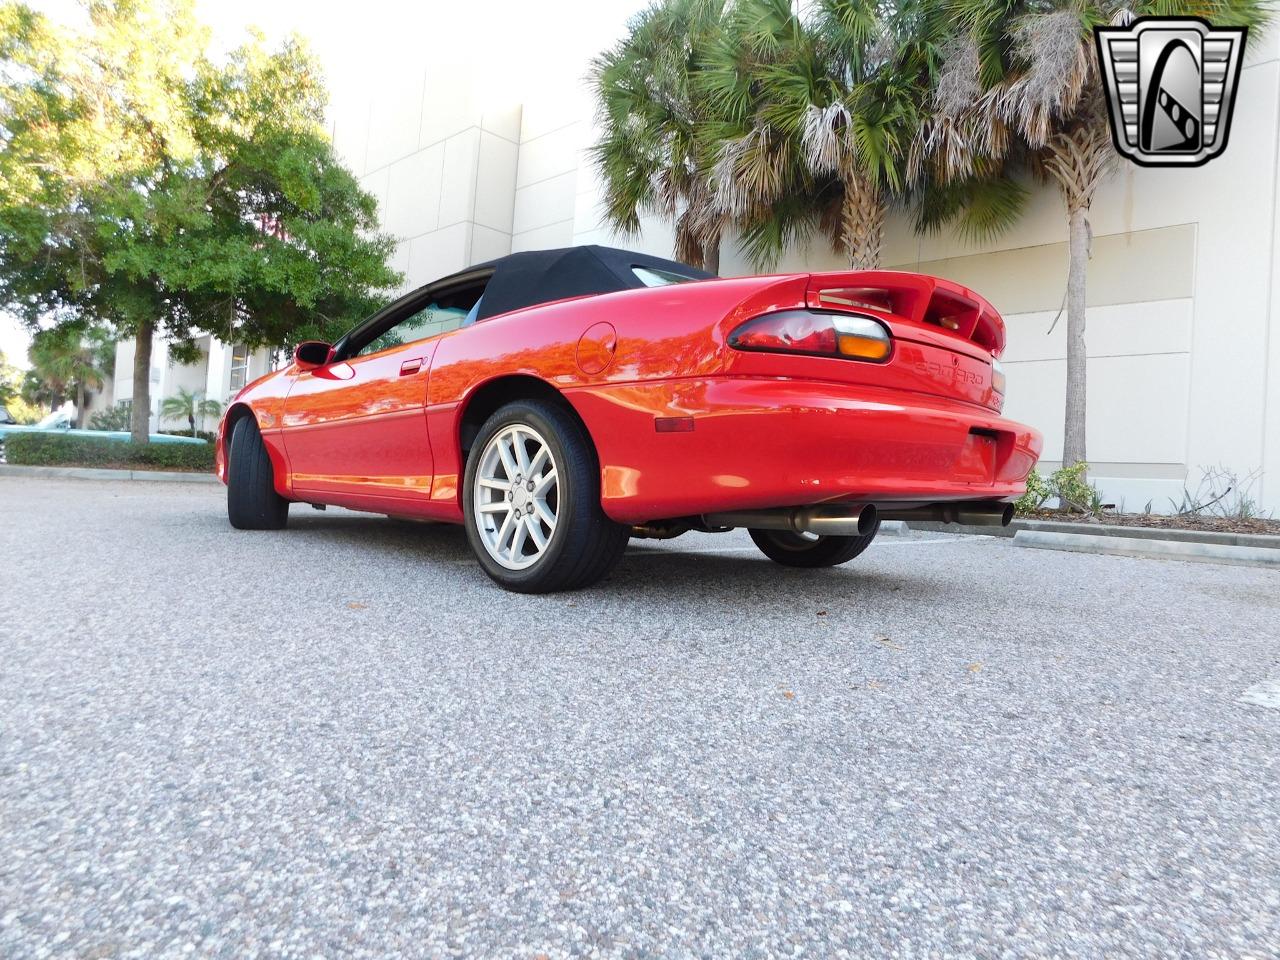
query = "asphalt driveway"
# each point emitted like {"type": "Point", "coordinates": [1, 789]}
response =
{"type": "Point", "coordinates": [342, 740]}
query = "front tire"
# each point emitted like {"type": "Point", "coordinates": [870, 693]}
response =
{"type": "Point", "coordinates": [797, 550]}
{"type": "Point", "coordinates": [532, 502]}
{"type": "Point", "coordinates": [252, 501]}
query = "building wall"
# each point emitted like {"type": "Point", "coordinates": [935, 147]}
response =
{"type": "Point", "coordinates": [442, 165]}
{"type": "Point", "coordinates": [209, 376]}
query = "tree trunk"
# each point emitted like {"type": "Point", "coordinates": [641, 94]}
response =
{"type": "Point", "coordinates": [862, 222]}
{"type": "Point", "coordinates": [1078, 159]}
{"type": "Point", "coordinates": [711, 256]}
{"type": "Point", "coordinates": [192, 420]}
{"type": "Point", "coordinates": [687, 248]}
{"type": "Point", "coordinates": [1073, 435]}
{"type": "Point", "coordinates": [140, 414]}
{"type": "Point", "coordinates": [79, 405]}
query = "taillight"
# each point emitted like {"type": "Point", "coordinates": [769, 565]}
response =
{"type": "Point", "coordinates": [997, 376]}
{"type": "Point", "coordinates": [817, 334]}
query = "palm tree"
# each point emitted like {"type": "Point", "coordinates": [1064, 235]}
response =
{"type": "Point", "coordinates": [830, 106]}
{"type": "Point", "coordinates": [1023, 79]}
{"type": "Point", "coordinates": [65, 359]}
{"type": "Point", "coordinates": [650, 108]}
{"type": "Point", "coordinates": [186, 405]}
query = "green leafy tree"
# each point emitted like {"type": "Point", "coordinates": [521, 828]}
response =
{"type": "Point", "coordinates": [186, 405]}
{"type": "Point", "coordinates": [10, 381]}
{"type": "Point", "coordinates": [1021, 80]}
{"type": "Point", "coordinates": [70, 361]}
{"type": "Point", "coordinates": [651, 106]}
{"type": "Point", "coordinates": [149, 188]}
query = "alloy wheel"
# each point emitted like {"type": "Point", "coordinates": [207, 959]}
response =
{"type": "Point", "coordinates": [516, 496]}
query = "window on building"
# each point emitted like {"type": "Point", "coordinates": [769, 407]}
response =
{"type": "Point", "coordinates": [239, 366]}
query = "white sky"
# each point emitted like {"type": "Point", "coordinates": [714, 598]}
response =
{"type": "Point", "coordinates": [508, 49]}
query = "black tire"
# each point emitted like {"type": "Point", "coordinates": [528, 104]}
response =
{"type": "Point", "coordinates": [585, 544]}
{"type": "Point", "coordinates": [252, 501]}
{"type": "Point", "coordinates": [793, 550]}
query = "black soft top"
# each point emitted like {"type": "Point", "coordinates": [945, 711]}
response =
{"type": "Point", "coordinates": [519, 280]}
{"type": "Point", "coordinates": [541, 276]}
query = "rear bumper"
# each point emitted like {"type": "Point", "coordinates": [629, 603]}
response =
{"type": "Point", "coordinates": [761, 443]}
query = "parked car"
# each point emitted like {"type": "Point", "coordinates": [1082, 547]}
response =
{"type": "Point", "coordinates": [59, 422]}
{"type": "Point", "coordinates": [6, 417]}
{"type": "Point", "coordinates": [560, 402]}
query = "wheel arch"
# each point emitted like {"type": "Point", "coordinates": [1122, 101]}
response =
{"type": "Point", "coordinates": [489, 397]}
{"type": "Point", "coordinates": [272, 441]}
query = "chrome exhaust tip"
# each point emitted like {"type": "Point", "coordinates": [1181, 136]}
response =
{"type": "Point", "coordinates": [823, 520]}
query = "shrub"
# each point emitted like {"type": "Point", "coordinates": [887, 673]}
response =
{"type": "Point", "coordinates": [53, 450]}
{"type": "Point", "coordinates": [113, 418]}
{"type": "Point", "coordinates": [1223, 493]}
{"type": "Point", "coordinates": [202, 434]}
{"type": "Point", "coordinates": [1073, 491]}
{"type": "Point", "coordinates": [1068, 485]}
{"type": "Point", "coordinates": [1037, 493]}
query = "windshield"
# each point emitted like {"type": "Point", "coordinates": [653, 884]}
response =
{"type": "Point", "coordinates": [53, 420]}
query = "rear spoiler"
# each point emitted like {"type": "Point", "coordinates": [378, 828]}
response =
{"type": "Point", "coordinates": [914, 297]}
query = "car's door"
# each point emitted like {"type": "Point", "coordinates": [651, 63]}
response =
{"type": "Point", "coordinates": [357, 426]}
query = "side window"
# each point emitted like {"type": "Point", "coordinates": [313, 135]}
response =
{"type": "Point", "coordinates": [448, 310]}
{"type": "Point", "coordinates": [431, 320]}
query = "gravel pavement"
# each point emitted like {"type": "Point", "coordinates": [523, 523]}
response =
{"type": "Point", "coordinates": [342, 740]}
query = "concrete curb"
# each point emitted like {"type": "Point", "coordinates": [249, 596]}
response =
{"type": "Point", "coordinates": [1259, 540]}
{"type": "Point", "coordinates": [1150, 549]}
{"type": "Point", "coordinates": [91, 473]}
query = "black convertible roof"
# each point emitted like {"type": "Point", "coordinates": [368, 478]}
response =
{"type": "Point", "coordinates": [540, 276]}
{"type": "Point", "coordinates": [522, 280]}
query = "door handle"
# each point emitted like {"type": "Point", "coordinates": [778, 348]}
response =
{"type": "Point", "coordinates": [410, 367]}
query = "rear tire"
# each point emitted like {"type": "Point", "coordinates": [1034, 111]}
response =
{"type": "Point", "coordinates": [557, 477]}
{"type": "Point", "coordinates": [795, 550]}
{"type": "Point", "coordinates": [252, 501]}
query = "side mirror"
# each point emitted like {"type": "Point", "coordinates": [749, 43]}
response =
{"type": "Point", "coordinates": [311, 354]}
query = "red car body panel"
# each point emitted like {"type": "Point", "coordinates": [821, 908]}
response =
{"type": "Point", "coordinates": [751, 429]}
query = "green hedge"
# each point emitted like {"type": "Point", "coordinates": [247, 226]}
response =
{"type": "Point", "coordinates": [202, 434]}
{"type": "Point", "coordinates": [51, 450]}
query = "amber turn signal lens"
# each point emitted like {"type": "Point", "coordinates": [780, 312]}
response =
{"type": "Point", "coordinates": [862, 339]}
{"type": "Point", "coordinates": [864, 348]}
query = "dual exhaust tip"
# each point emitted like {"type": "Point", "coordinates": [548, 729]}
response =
{"type": "Point", "coordinates": [860, 519]}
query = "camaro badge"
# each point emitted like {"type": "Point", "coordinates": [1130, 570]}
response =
{"type": "Point", "coordinates": [1171, 83]}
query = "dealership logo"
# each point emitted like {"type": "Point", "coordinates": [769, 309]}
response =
{"type": "Point", "coordinates": [1171, 83]}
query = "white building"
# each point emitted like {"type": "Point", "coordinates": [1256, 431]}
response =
{"type": "Point", "coordinates": [1183, 329]}
{"type": "Point", "coordinates": [219, 373]}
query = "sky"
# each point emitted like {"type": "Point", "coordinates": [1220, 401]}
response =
{"type": "Point", "coordinates": [507, 49]}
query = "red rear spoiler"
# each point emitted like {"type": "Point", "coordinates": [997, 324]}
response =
{"type": "Point", "coordinates": [914, 297]}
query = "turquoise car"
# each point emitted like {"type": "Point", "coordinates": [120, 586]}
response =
{"type": "Point", "coordinates": [60, 423]}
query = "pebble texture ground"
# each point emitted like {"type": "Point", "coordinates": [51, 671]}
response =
{"type": "Point", "coordinates": [341, 740]}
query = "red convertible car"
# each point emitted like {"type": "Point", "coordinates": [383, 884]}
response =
{"type": "Point", "coordinates": [559, 402]}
